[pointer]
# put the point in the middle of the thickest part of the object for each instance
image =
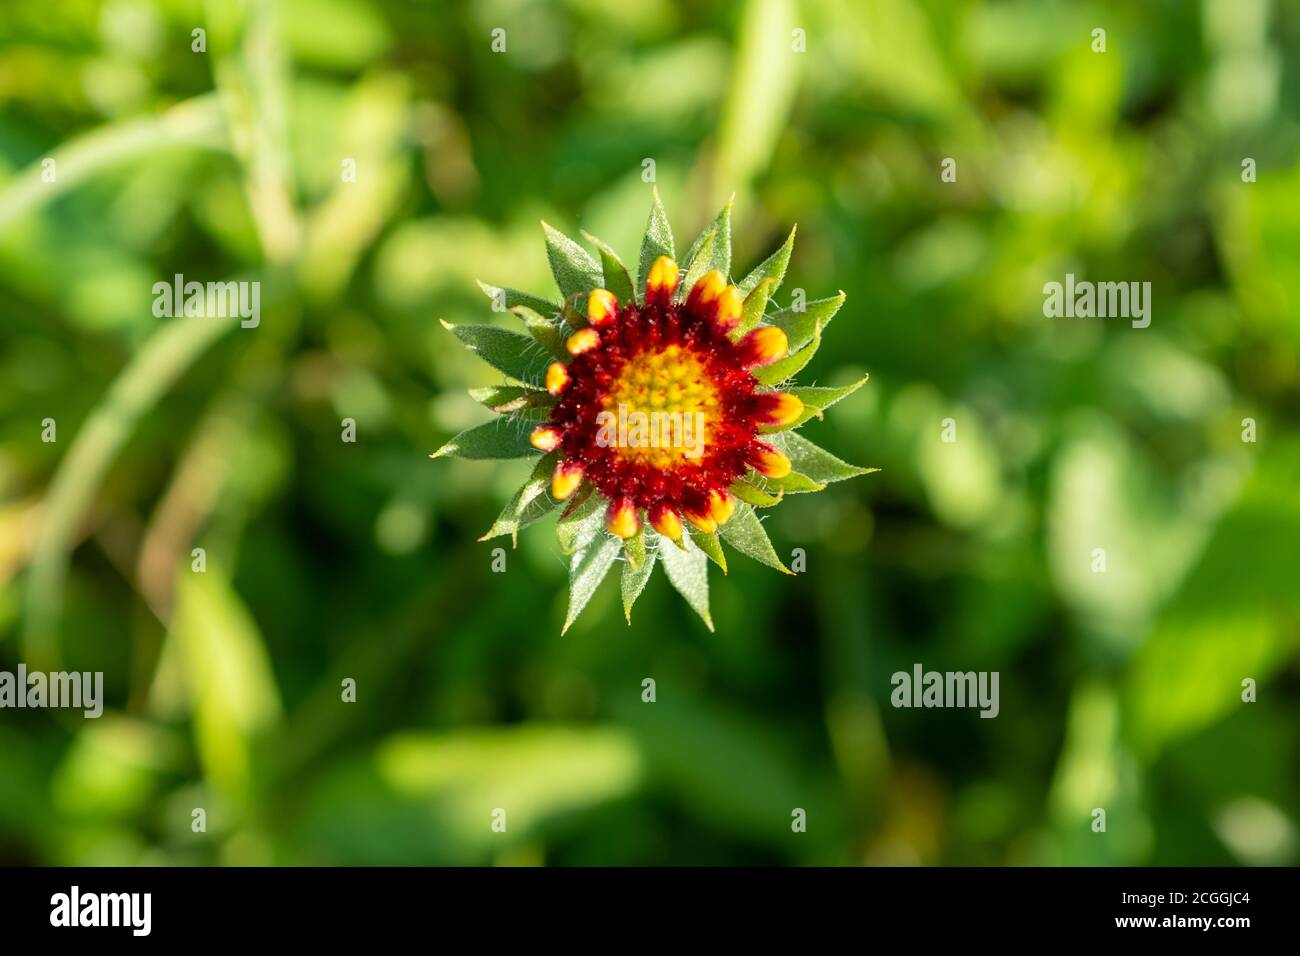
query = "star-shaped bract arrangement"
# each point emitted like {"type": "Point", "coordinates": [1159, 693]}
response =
{"type": "Point", "coordinates": [706, 363]}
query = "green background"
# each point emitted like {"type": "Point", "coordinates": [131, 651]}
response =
{"type": "Point", "coordinates": [328, 560]}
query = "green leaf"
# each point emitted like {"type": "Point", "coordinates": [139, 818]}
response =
{"type": "Point", "coordinates": [745, 533]}
{"type": "Point", "coordinates": [498, 438]}
{"type": "Point", "coordinates": [751, 494]}
{"type": "Point", "coordinates": [635, 578]}
{"type": "Point", "coordinates": [531, 403]}
{"type": "Point", "coordinates": [801, 327]}
{"type": "Point", "coordinates": [773, 267]}
{"type": "Point", "coordinates": [547, 333]}
{"type": "Point", "coordinates": [712, 247]}
{"type": "Point", "coordinates": [658, 240]}
{"type": "Point", "coordinates": [530, 503]}
{"type": "Point", "coordinates": [587, 568]}
{"type": "Point", "coordinates": [507, 352]}
{"type": "Point", "coordinates": [755, 307]}
{"type": "Point", "coordinates": [580, 525]}
{"type": "Point", "coordinates": [688, 573]}
{"type": "Point", "coordinates": [709, 544]}
{"type": "Point", "coordinates": [617, 279]}
{"type": "Point", "coordinates": [509, 298]}
{"type": "Point", "coordinates": [574, 269]}
{"type": "Point", "coordinates": [815, 462]}
{"type": "Point", "coordinates": [789, 366]}
{"type": "Point", "coordinates": [817, 399]}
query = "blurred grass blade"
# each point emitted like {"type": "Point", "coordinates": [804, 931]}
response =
{"type": "Point", "coordinates": [763, 83]}
{"type": "Point", "coordinates": [155, 367]}
{"type": "Point", "coordinates": [197, 123]}
{"type": "Point", "coordinates": [229, 675]}
{"type": "Point", "coordinates": [254, 90]}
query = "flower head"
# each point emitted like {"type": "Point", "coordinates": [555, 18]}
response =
{"type": "Point", "coordinates": [658, 408]}
{"type": "Point", "coordinates": [661, 414]}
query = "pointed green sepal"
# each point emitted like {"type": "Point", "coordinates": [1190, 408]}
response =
{"type": "Point", "coordinates": [817, 399]}
{"type": "Point", "coordinates": [635, 579]}
{"type": "Point", "coordinates": [530, 503]}
{"type": "Point", "coordinates": [507, 352]}
{"type": "Point", "coordinates": [634, 547]}
{"type": "Point", "coordinates": [688, 572]}
{"type": "Point", "coordinates": [773, 267]}
{"type": "Point", "coordinates": [815, 462]}
{"type": "Point", "coordinates": [711, 248]}
{"type": "Point", "coordinates": [745, 533]}
{"type": "Point", "coordinates": [581, 521]}
{"type": "Point", "coordinates": [800, 326]}
{"type": "Point", "coordinates": [753, 495]}
{"type": "Point", "coordinates": [573, 267]}
{"type": "Point", "coordinates": [504, 299]}
{"type": "Point", "coordinates": [658, 241]}
{"type": "Point", "coordinates": [788, 367]}
{"type": "Point", "coordinates": [587, 568]}
{"type": "Point", "coordinates": [755, 306]}
{"type": "Point", "coordinates": [495, 439]}
{"type": "Point", "coordinates": [574, 311]}
{"type": "Point", "coordinates": [709, 544]}
{"type": "Point", "coordinates": [698, 267]}
{"type": "Point", "coordinates": [616, 276]}
{"type": "Point", "coordinates": [546, 333]}
{"type": "Point", "coordinates": [530, 403]}
{"type": "Point", "coordinates": [794, 483]}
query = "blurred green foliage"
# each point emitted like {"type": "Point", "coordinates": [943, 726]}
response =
{"type": "Point", "coordinates": [329, 560]}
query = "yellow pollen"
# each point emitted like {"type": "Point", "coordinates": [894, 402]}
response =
{"type": "Point", "coordinates": [660, 409]}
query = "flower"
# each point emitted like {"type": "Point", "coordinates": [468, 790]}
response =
{"type": "Point", "coordinates": [662, 411]}
{"type": "Point", "coordinates": [673, 371]}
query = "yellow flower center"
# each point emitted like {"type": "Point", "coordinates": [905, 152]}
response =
{"type": "Point", "coordinates": [660, 408]}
